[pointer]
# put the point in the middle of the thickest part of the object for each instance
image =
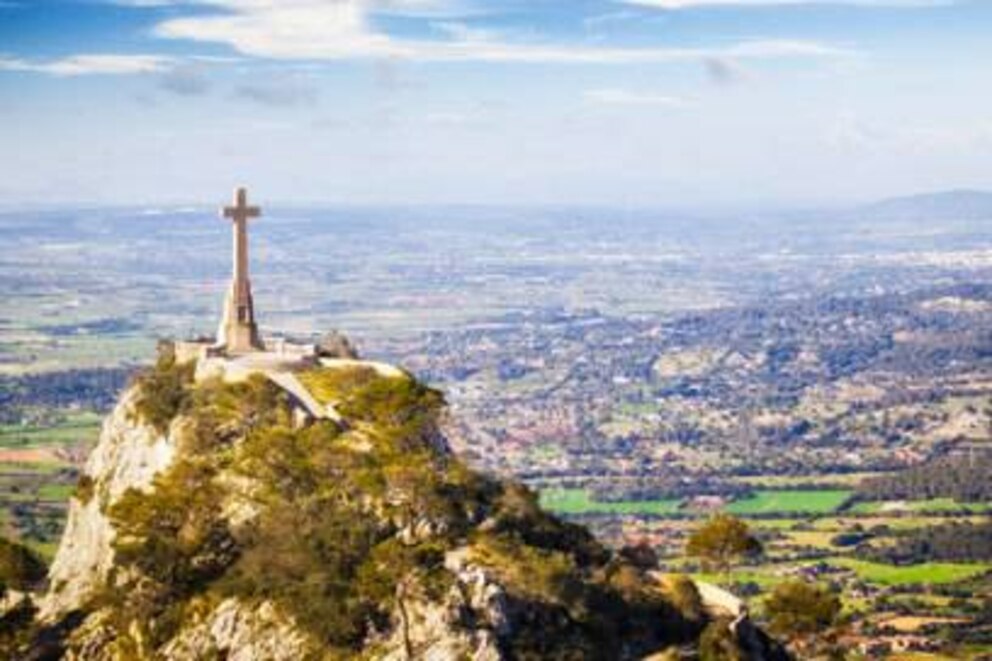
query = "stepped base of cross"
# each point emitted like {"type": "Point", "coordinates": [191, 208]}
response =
{"type": "Point", "coordinates": [238, 332]}
{"type": "Point", "coordinates": [272, 350]}
{"type": "Point", "coordinates": [279, 365]}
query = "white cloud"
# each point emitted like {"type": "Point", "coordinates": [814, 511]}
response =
{"type": "Point", "coordinates": [341, 29]}
{"type": "Point", "coordinates": [90, 64]}
{"type": "Point", "coordinates": [622, 97]}
{"type": "Point", "coordinates": [319, 30]}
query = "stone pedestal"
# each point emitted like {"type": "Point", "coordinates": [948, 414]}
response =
{"type": "Point", "coordinates": [238, 332]}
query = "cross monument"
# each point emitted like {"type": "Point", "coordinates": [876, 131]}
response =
{"type": "Point", "coordinates": [238, 332]}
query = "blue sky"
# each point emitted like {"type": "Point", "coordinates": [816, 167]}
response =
{"type": "Point", "coordinates": [668, 103]}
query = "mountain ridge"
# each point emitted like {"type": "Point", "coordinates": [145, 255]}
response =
{"type": "Point", "coordinates": [952, 204]}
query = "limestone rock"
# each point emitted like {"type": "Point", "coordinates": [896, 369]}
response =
{"type": "Point", "coordinates": [129, 455]}
{"type": "Point", "coordinates": [240, 632]}
{"type": "Point", "coordinates": [336, 345]}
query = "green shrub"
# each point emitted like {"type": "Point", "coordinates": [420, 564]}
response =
{"type": "Point", "coordinates": [534, 573]}
{"type": "Point", "coordinates": [85, 489]}
{"type": "Point", "coordinates": [222, 412]}
{"type": "Point", "coordinates": [316, 550]}
{"type": "Point", "coordinates": [20, 568]}
{"type": "Point", "coordinates": [18, 629]}
{"type": "Point", "coordinates": [172, 543]}
{"type": "Point", "coordinates": [721, 540]}
{"type": "Point", "coordinates": [163, 391]}
{"type": "Point", "coordinates": [361, 394]}
{"type": "Point", "coordinates": [519, 515]}
{"type": "Point", "coordinates": [797, 608]}
{"type": "Point", "coordinates": [332, 385]}
{"type": "Point", "coordinates": [718, 643]}
{"type": "Point", "coordinates": [175, 534]}
{"type": "Point", "coordinates": [305, 558]}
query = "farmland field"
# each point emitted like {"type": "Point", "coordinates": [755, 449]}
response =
{"type": "Point", "coordinates": [934, 505]}
{"type": "Point", "coordinates": [78, 427]}
{"type": "Point", "coordinates": [931, 573]}
{"type": "Point", "coordinates": [578, 501]}
{"type": "Point", "coordinates": [797, 501]}
{"type": "Point", "coordinates": [800, 501]}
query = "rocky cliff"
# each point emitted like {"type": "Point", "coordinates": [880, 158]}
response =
{"type": "Point", "coordinates": [213, 522]}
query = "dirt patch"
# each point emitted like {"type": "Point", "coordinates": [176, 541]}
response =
{"type": "Point", "coordinates": [29, 456]}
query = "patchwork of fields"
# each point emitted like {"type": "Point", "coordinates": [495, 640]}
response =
{"type": "Point", "coordinates": [812, 534]}
{"type": "Point", "coordinates": [38, 472]}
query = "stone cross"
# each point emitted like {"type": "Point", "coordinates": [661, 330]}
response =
{"type": "Point", "coordinates": [240, 212]}
{"type": "Point", "coordinates": [238, 331]}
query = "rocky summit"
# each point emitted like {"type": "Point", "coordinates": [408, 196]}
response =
{"type": "Point", "coordinates": [213, 522]}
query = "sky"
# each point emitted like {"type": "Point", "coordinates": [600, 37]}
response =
{"type": "Point", "coordinates": [633, 103]}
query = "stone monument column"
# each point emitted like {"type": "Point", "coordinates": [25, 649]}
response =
{"type": "Point", "coordinates": [238, 331]}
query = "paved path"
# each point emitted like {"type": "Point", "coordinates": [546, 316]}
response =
{"type": "Point", "coordinates": [288, 382]}
{"type": "Point", "coordinates": [279, 368]}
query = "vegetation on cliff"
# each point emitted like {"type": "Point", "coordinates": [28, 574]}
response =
{"type": "Point", "coordinates": [20, 568]}
{"type": "Point", "coordinates": [344, 526]}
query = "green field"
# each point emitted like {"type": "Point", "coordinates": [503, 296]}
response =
{"type": "Point", "coordinates": [56, 492]}
{"type": "Point", "coordinates": [933, 573]}
{"type": "Point", "coordinates": [779, 524]}
{"type": "Point", "coordinates": [758, 576]}
{"type": "Point", "coordinates": [798, 501]}
{"type": "Point", "coordinates": [932, 506]}
{"type": "Point", "coordinates": [76, 428]}
{"type": "Point", "coordinates": [578, 501]}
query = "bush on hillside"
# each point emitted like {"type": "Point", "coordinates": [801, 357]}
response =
{"type": "Point", "coordinates": [20, 568]}
{"type": "Point", "coordinates": [163, 391]}
{"type": "Point", "coordinates": [798, 608]}
{"type": "Point", "coordinates": [722, 540]}
{"type": "Point", "coordinates": [718, 643]}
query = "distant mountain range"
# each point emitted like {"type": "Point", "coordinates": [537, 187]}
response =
{"type": "Point", "coordinates": [944, 205]}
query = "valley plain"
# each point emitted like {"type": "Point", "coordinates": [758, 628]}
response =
{"type": "Point", "coordinates": [641, 370]}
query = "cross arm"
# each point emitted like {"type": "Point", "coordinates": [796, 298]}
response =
{"type": "Point", "coordinates": [242, 212]}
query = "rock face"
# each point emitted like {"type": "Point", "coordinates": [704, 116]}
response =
{"type": "Point", "coordinates": [129, 454]}
{"type": "Point", "coordinates": [210, 524]}
{"type": "Point", "coordinates": [244, 632]}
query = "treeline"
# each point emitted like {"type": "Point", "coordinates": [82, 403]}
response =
{"type": "Point", "coordinates": [965, 478]}
{"type": "Point", "coordinates": [953, 542]}
{"type": "Point", "coordinates": [665, 487]}
{"type": "Point", "coordinates": [94, 389]}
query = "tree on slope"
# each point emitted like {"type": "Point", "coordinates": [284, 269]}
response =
{"type": "Point", "coordinates": [721, 541]}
